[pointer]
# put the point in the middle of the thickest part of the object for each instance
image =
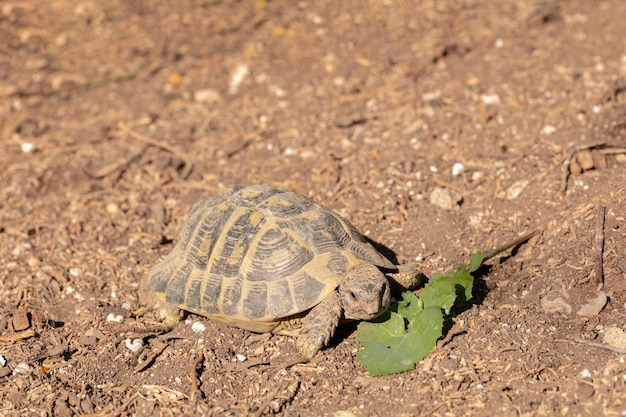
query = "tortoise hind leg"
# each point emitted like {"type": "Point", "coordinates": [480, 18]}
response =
{"type": "Point", "coordinates": [319, 325]}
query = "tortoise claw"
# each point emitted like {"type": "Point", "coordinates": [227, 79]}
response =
{"type": "Point", "coordinates": [319, 325]}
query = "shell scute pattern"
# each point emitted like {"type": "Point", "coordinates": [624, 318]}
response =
{"type": "Point", "coordinates": [278, 255]}
{"type": "Point", "coordinates": [232, 296]}
{"type": "Point", "coordinates": [255, 304]}
{"type": "Point", "coordinates": [233, 241]}
{"type": "Point", "coordinates": [307, 290]}
{"type": "Point", "coordinates": [257, 255]}
{"type": "Point", "coordinates": [282, 205]}
{"type": "Point", "coordinates": [211, 288]}
{"type": "Point", "coordinates": [200, 238]}
{"type": "Point", "coordinates": [280, 301]}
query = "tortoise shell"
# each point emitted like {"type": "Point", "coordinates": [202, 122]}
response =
{"type": "Point", "coordinates": [256, 256]}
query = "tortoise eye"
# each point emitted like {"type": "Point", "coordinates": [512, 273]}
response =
{"type": "Point", "coordinates": [352, 295]}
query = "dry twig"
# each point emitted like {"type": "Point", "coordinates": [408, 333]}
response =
{"type": "Point", "coordinates": [261, 410]}
{"type": "Point", "coordinates": [143, 365]}
{"type": "Point", "coordinates": [455, 330]}
{"type": "Point", "coordinates": [598, 245]}
{"type": "Point", "coordinates": [162, 145]}
{"type": "Point", "coordinates": [600, 345]}
{"type": "Point", "coordinates": [111, 169]}
{"type": "Point", "coordinates": [18, 336]}
{"type": "Point", "coordinates": [123, 407]}
{"type": "Point", "coordinates": [565, 172]}
{"type": "Point", "coordinates": [195, 383]}
{"type": "Point", "coordinates": [446, 184]}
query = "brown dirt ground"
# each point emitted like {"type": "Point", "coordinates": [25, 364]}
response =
{"type": "Point", "coordinates": [117, 116]}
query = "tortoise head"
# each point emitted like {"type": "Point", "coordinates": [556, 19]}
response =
{"type": "Point", "coordinates": [364, 293]}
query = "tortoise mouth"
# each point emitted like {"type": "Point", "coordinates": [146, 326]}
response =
{"type": "Point", "coordinates": [368, 315]}
{"type": "Point", "coordinates": [370, 307]}
{"type": "Point", "coordinates": [378, 313]}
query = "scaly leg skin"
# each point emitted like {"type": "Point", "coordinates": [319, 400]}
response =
{"type": "Point", "coordinates": [319, 325]}
{"type": "Point", "coordinates": [407, 278]}
{"type": "Point", "coordinates": [165, 313]}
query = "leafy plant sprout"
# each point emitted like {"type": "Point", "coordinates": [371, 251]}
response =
{"type": "Point", "coordinates": [410, 329]}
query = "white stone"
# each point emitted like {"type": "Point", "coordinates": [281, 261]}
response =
{"type": "Point", "coordinates": [615, 336]}
{"type": "Point", "coordinates": [516, 189]}
{"type": "Point", "coordinates": [490, 98]}
{"type": "Point", "coordinates": [207, 95]}
{"type": "Point", "coordinates": [237, 77]}
{"type": "Point", "coordinates": [22, 369]}
{"type": "Point", "coordinates": [115, 318]}
{"type": "Point", "coordinates": [594, 306]}
{"type": "Point", "coordinates": [134, 345]}
{"type": "Point", "coordinates": [198, 327]}
{"type": "Point", "coordinates": [27, 147]}
{"type": "Point", "coordinates": [457, 169]}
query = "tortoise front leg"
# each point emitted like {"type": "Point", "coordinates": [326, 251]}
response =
{"type": "Point", "coordinates": [408, 277]}
{"type": "Point", "coordinates": [319, 325]}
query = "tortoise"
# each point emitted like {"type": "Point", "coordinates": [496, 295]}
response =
{"type": "Point", "coordinates": [267, 260]}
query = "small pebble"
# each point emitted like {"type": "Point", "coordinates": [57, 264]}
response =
{"type": "Point", "coordinates": [112, 208]}
{"type": "Point", "coordinates": [198, 327]}
{"type": "Point", "coordinates": [445, 198]}
{"type": "Point", "coordinates": [457, 169]}
{"type": "Point", "coordinates": [556, 302]}
{"type": "Point", "coordinates": [616, 337]}
{"type": "Point", "coordinates": [20, 321]}
{"type": "Point", "coordinates": [431, 96]}
{"type": "Point", "coordinates": [237, 77]}
{"type": "Point", "coordinates": [134, 345]}
{"type": "Point", "coordinates": [207, 95]}
{"type": "Point", "coordinates": [585, 373]}
{"type": "Point", "coordinates": [115, 318]}
{"type": "Point", "coordinates": [594, 306]}
{"type": "Point", "coordinates": [241, 357]}
{"type": "Point", "coordinates": [3, 361]}
{"type": "Point", "coordinates": [490, 98]}
{"type": "Point", "coordinates": [516, 189]}
{"type": "Point", "coordinates": [22, 369]}
{"type": "Point", "coordinates": [27, 147]}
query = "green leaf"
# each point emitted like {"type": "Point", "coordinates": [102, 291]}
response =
{"type": "Point", "coordinates": [388, 351]}
{"type": "Point", "coordinates": [380, 359]}
{"type": "Point", "coordinates": [409, 306]}
{"type": "Point", "coordinates": [376, 332]}
{"type": "Point", "coordinates": [476, 261]}
{"type": "Point", "coordinates": [440, 292]}
{"type": "Point", "coordinates": [464, 284]}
